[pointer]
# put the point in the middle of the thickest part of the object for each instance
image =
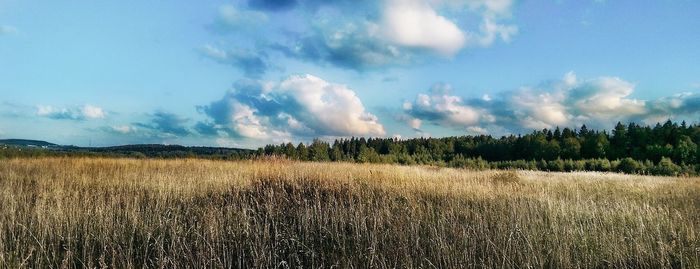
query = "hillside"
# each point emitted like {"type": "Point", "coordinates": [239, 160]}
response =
{"type": "Point", "coordinates": [26, 143]}
{"type": "Point", "coordinates": [29, 148]}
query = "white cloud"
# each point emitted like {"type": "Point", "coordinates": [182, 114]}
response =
{"type": "Point", "coordinates": [606, 97]}
{"type": "Point", "coordinates": [539, 110]}
{"type": "Point", "coordinates": [302, 105]}
{"type": "Point", "coordinates": [673, 107]}
{"type": "Point", "coordinates": [499, 7]}
{"type": "Point", "coordinates": [45, 110]}
{"type": "Point", "coordinates": [475, 130]}
{"type": "Point", "coordinates": [570, 101]}
{"type": "Point", "coordinates": [492, 12]}
{"type": "Point", "coordinates": [490, 31]}
{"type": "Point", "coordinates": [442, 108]}
{"type": "Point", "coordinates": [75, 113]}
{"type": "Point", "coordinates": [331, 107]}
{"type": "Point", "coordinates": [246, 123]}
{"type": "Point", "coordinates": [414, 23]}
{"type": "Point", "coordinates": [417, 23]}
{"type": "Point", "coordinates": [570, 79]}
{"type": "Point", "coordinates": [93, 112]}
{"type": "Point", "coordinates": [123, 129]}
{"type": "Point", "coordinates": [364, 35]}
{"type": "Point", "coordinates": [414, 123]}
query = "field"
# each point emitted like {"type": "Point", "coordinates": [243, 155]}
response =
{"type": "Point", "coordinates": [124, 213]}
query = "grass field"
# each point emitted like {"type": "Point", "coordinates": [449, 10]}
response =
{"type": "Point", "coordinates": [121, 213]}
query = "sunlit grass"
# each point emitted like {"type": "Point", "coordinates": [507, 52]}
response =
{"type": "Point", "coordinates": [121, 213]}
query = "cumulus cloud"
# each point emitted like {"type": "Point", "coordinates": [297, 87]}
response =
{"type": "Point", "coordinates": [672, 107]}
{"type": "Point", "coordinates": [363, 35]}
{"type": "Point", "coordinates": [75, 113]}
{"type": "Point", "coordinates": [441, 108]}
{"type": "Point", "coordinates": [352, 45]}
{"type": "Point", "coordinates": [334, 109]}
{"type": "Point", "coordinates": [597, 102]}
{"type": "Point", "coordinates": [414, 23]}
{"type": "Point", "coordinates": [605, 97]}
{"type": "Point", "coordinates": [93, 112]}
{"type": "Point", "coordinates": [302, 105]}
{"type": "Point", "coordinates": [418, 23]}
{"type": "Point", "coordinates": [569, 101]}
{"type": "Point", "coordinates": [238, 119]}
{"type": "Point", "coordinates": [537, 110]}
{"type": "Point", "coordinates": [253, 64]}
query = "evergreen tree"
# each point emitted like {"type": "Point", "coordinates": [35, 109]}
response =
{"type": "Point", "coordinates": [318, 151]}
{"type": "Point", "coordinates": [632, 148]}
{"type": "Point", "coordinates": [302, 152]}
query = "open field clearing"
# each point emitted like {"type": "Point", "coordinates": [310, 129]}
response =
{"type": "Point", "coordinates": [122, 213]}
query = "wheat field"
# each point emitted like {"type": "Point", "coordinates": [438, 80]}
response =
{"type": "Point", "coordinates": [124, 213]}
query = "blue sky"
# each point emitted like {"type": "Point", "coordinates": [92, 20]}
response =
{"type": "Point", "coordinates": [250, 72]}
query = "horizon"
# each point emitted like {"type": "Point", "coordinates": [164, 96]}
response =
{"type": "Point", "coordinates": [243, 74]}
{"type": "Point", "coordinates": [556, 128]}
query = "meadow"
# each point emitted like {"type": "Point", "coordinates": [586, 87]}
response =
{"type": "Point", "coordinates": [129, 213]}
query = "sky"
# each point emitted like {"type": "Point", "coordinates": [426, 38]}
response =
{"type": "Point", "coordinates": [252, 72]}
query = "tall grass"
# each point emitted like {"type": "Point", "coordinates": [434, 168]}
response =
{"type": "Point", "coordinates": [69, 212]}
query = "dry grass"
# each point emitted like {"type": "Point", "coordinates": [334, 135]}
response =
{"type": "Point", "coordinates": [68, 212]}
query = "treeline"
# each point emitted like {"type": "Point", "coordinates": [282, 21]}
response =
{"type": "Point", "coordinates": [127, 151]}
{"type": "Point", "coordinates": [171, 151]}
{"type": "Point", "coordinates": [665, 149]}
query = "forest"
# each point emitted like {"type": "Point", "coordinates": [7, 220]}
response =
{"type": "Point", "coordinates": [664, 149]}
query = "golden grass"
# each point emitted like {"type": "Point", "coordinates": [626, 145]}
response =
{"type": "Point", "coordinates": [120, 213]}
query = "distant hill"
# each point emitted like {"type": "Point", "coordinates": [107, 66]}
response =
{"type": "Point", "coordinates": [156, 150]}
{"type": "Point", "coordinates": [26, 143]}
{"type": "Point", "coordinates": [137, 150]}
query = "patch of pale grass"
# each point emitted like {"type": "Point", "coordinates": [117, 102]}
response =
{"type": "Point", "coordinates": [83, 212]}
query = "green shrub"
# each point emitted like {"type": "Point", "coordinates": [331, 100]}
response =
{"type": "Point", "coordinates": [666, 167]}
{"type": "Point", "coordinates": [555, 165]}
{"type": "Point", "coordinates": [628, 166]}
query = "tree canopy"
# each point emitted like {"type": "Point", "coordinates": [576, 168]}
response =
{"type": "Point", "coordinates": [629, 148]}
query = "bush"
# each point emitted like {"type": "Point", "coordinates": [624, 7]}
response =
{"type": "Point", "coordinates": [614, 164]}
{"type": "Point", "coordinates": [473, 164]}
{"type": "Point", "coordinates": [405, 159]}
{"type": "Point", "coordinates": [666, 167]}
{"type": "Point", "coordinates": [555, 165]}
{"type": "Point", "coordinates": [628, 166]}
{"type": "Point", "coordinates": [601, 165]}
